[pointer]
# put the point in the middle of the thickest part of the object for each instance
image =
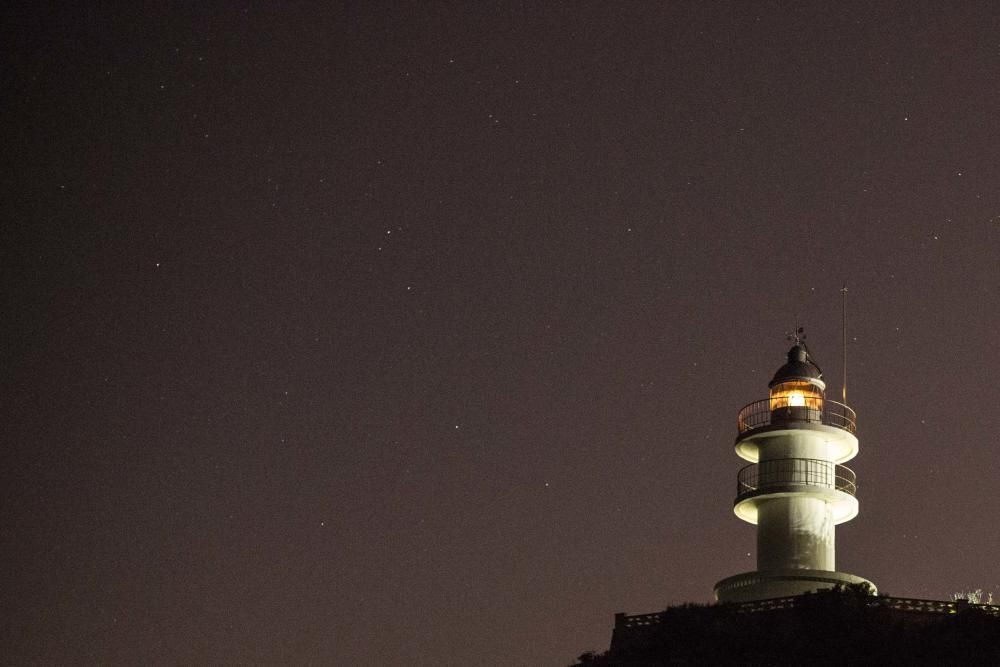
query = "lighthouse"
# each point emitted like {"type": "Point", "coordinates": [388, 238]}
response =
{"type": "Point", "coordinates": [795, 489]}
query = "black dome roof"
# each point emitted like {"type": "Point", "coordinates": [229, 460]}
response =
{"type": "Point", "coordinates": [800, 366]}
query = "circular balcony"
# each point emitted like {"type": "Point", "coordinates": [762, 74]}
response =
{"type": "Point", "coordinates": [789, 474]}
{"type": "Point", "coordinates": [772, 412]}
{"type": "Point", "coordinates": [776, 586]}
{"type": "Point", "coordinates": [826, 480]}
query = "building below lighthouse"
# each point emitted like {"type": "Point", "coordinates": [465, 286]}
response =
{"type": "Point", "coordinates": [796, 489]}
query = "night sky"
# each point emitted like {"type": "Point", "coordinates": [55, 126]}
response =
{"type": "Point", "coordinates": [382, 334]}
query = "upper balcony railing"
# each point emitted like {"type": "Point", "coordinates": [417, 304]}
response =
{"type": "Point", "coordinates": [770, 412]}
{"type": "Point", "coordinates": [780, 474]}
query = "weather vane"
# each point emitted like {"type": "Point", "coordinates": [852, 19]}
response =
{"type": "Point", "coordinates": [797, 335]}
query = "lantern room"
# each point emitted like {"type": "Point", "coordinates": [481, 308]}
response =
{"type": "Point", "coordinates": [797, 390]}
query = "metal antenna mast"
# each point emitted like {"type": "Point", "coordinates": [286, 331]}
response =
{"type": "Point", "coordinates": [843, 294]}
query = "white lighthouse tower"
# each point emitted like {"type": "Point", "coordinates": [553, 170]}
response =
{"type": "Point", "coordinates": [795, 489]}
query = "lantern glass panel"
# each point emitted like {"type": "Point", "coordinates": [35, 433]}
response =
{"type": "Point", "coordinates": [794, 394]}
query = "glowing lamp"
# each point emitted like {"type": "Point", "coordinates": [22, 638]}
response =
{"type": "Point", "coordinates": [796, 394]}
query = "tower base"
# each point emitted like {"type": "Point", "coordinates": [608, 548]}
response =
{"type": "Point", "coordinates": [751, 586]}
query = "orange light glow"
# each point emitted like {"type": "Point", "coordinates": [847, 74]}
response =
{"type": "Point", "coordinates": [796, 395]}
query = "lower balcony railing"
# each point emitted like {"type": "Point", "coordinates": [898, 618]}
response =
{"type": "Point", "coordinates": [782, 473]}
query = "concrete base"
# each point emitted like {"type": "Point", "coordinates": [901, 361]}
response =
{"type": "Point", "coordinates": [751, 586]}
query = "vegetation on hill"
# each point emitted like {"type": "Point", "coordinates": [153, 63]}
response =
{"type": "Point", "coordinates": [828, 628]}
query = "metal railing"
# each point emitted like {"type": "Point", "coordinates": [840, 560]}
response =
{"type": "Point", "coordinates": [910, 605]}
{"type": "Point", "coordinates": [783, 473]}
{"type": "Point", "coordinates": [647, 622]}
{"type": "Point", "coordinates": [764, 413]}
